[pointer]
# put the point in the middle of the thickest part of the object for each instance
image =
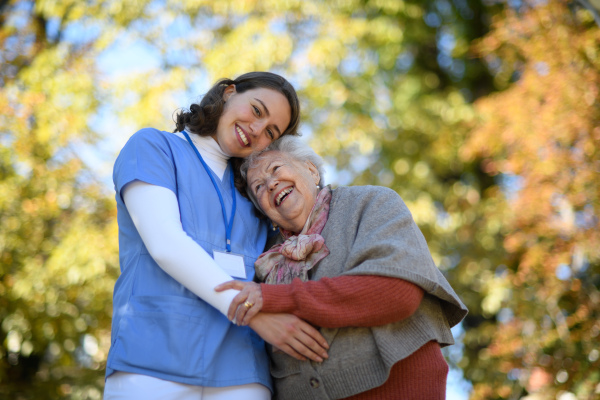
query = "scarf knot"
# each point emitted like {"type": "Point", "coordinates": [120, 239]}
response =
{"type": "Point", "coordinates": [300, 247]}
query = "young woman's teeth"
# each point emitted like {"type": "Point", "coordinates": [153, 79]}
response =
{"type": "Point", "coordinates": [242, 135]}
{"type": "Point", "coordinates": [282, 195]}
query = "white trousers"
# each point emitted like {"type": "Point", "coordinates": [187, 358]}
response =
{"type": "Point", "coordinates": [128, 386]}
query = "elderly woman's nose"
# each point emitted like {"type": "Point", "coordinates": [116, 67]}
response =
{"type": "Point", "coordinates": [272, 184]}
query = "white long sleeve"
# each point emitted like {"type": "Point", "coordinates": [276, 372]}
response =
{"type": "Point", "coordinates": [155, 213]}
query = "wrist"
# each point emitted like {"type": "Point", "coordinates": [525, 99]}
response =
{"type": "Point", "coordinates": [255, 320]}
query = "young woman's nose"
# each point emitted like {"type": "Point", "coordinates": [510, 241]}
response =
{"type": "Point", "coordinates": [258, 126]}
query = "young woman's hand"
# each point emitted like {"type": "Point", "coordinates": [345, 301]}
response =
{"type": "Point", "coordinates": [291, 335]}
{"type": "Point", "coordinates": [246, 304]}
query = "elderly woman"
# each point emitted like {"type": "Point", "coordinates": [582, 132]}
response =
{"type": "Point", "coordinates": [352, 262]}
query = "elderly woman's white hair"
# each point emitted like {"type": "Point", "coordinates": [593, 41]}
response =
{"type": "Point", "coordinates": [294, 148]}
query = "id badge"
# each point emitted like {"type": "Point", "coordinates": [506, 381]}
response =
{"type": "Point", "coordinates": [231, 263]}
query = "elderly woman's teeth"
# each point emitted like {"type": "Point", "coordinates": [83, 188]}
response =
{"type": "Point", "coordinates": [242, 135]}
{"type": "Point", "coordinates": [281, 195]}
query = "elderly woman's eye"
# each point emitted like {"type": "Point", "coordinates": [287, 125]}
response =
{"type": "Point", "coordinates": [256, 188]}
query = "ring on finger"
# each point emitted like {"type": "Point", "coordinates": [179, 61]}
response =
{"type": "Point", "coordinates": [248, 305]}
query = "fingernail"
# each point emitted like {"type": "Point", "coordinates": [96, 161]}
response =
{"type": "Point", "coordinates": [319, 359]}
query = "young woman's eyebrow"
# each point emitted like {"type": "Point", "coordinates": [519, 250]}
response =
{"type": "Point", "coordinates": [268, 114]}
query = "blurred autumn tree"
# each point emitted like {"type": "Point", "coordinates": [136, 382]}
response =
{"type": "Point", "coordinates": [58, 251]}
{"type": "Point", "coordinates": [540, 137]}
{"type": "Point", "coordinates": [396, 93]}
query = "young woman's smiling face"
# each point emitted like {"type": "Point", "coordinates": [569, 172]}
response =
{"type": "Point", "coordinates": [285, 188]}
{"type": "Point", "coordinates": [251, 120]}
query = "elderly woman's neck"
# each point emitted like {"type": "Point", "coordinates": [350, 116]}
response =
{"type": "Point", "coordinates": [295, 228]}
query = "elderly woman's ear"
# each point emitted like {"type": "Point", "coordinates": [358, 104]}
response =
{"type": "Point", "coordinates": [314, 172]}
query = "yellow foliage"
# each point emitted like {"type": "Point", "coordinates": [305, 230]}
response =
{"type": "Point", "coordinates": [379, 103]}
{"type": "Point", "coordinates": [230, 59]}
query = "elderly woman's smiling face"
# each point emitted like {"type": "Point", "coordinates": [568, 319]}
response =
{"type": "Point", "coordinates": [284, 188]}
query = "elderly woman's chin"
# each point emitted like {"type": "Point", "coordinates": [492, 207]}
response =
{"type": "Point", "coordinates": [292, 213]}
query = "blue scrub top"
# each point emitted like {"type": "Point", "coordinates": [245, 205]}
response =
{"type": "Point", "coordinates": [159, 327]}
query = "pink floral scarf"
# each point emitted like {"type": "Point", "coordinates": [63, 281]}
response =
{"type": "Point", "coordinates": [298, 253]}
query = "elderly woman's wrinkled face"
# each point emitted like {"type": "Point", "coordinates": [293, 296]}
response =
{"type": "Point", "coordinates": [285, 188]}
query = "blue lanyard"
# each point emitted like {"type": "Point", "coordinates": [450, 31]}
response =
{"type": "Point", "coordinates": [229, 225]}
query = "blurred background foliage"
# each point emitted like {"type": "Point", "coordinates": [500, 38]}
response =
{"type": "Point", "coordinates": [483, 115]}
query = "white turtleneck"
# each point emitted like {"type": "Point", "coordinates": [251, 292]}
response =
{"type": "Point", "coordinates": [210, 151]}
{"type": "Point", "coordinates": [155, 213]}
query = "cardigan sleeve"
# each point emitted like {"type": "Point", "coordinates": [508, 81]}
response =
{"type": "Point", "coordinates": [345, 301]}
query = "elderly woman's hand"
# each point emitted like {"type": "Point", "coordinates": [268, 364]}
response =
{"type": "Point", "coordinates": [245, 304]}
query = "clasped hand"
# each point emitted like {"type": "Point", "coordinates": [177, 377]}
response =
{"type": "Point", "coordinates": [286, 332]}
{"type": "Point", "coordinates": [250, 293]}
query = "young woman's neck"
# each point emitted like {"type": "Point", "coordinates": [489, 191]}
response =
{"type": "Point", "coordinates": [210, 151]}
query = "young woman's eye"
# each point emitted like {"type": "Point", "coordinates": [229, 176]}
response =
{"type": "Point", "coordinates": [256, 110]}
{"type": "Point", "coordinates": [271, 134]}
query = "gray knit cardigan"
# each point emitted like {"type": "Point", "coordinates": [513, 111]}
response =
{"type": "Point", "coordinates": [370, 231]}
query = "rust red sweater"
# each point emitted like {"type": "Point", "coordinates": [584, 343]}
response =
{"type": "Point", "coordinates": [364, 301]}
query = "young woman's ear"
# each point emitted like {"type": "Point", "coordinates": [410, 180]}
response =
{"type": "Point", "coordinates": [229, 90]}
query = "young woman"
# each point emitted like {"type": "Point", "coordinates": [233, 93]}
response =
{"type": "Point", "coordinates": [183, 229]}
